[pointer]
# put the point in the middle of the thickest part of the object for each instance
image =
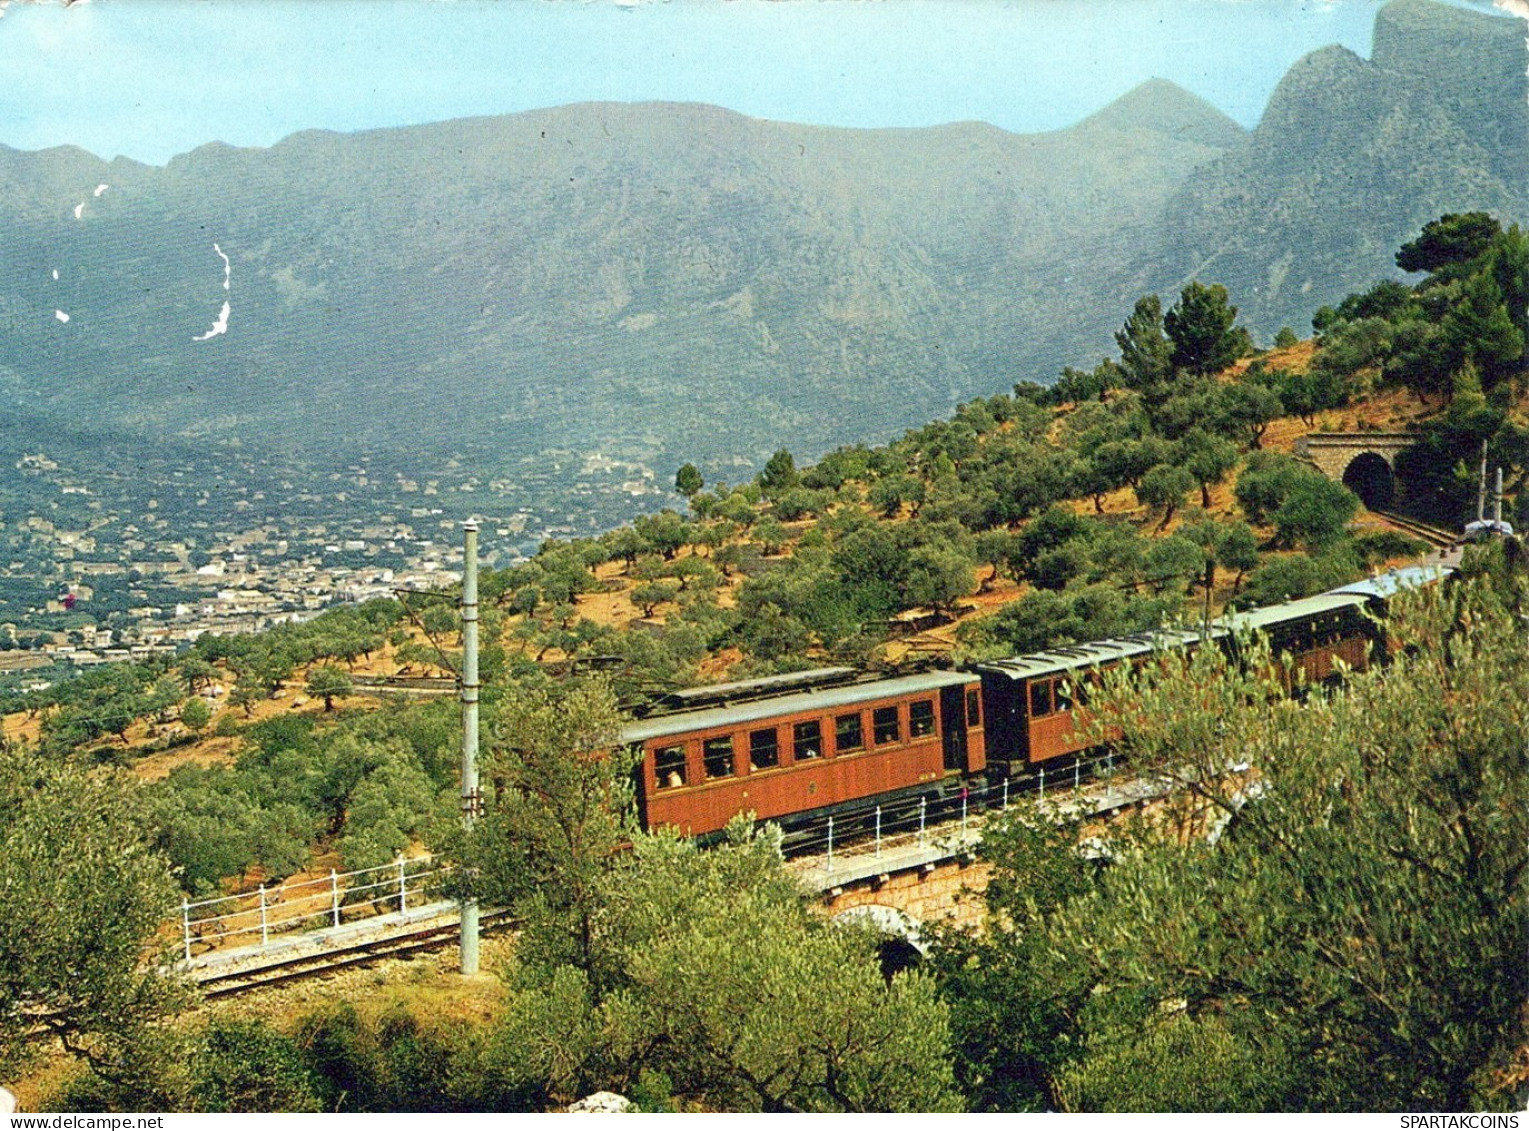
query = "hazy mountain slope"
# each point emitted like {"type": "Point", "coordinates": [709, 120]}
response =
{"type": "Point", "coordinates": [679, 278]}
{"type": "Point", "coordinates": [1352, 157]}
{"type": "Point", "coordinates": [676, 282]}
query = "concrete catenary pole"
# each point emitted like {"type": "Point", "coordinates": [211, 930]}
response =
{"type": "Point", "coordinates": [470, 796]}
{"type": "Point", "coordinates": [1481, 486]}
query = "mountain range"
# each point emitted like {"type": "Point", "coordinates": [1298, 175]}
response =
{"type": "Point", "coordinates": [672, 282]}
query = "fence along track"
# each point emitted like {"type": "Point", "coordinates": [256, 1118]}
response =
{"type": "Point", "coordinates": [227, 983]}
{"type": "Point", "coordinates": [296, 908]}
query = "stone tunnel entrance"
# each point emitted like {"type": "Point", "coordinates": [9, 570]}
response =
{"type": "Point", "coordinates": [1369, 476]}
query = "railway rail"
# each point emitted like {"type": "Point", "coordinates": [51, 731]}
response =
{"type": "Point", "coordinates": [228, 983]}
{"type": "Point", "coordinates": [420, 686]}
{"type": "Point", "coordinates": [1435, 536]}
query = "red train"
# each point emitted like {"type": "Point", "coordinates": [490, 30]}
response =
{"type": "Point", "coordinates": [804, 746]}
{"type": "Point", "coordinates": [809, 743]}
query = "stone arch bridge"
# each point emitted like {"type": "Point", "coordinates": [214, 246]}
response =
{"type": "Point", "coordinates": [1364, 462]}
{"type": "Point", "coordinates": [936, 876]}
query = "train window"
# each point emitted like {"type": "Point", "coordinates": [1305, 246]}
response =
{"type": "Point", "coordinates": [669, 766]}
{"type": "Point", "coordinates": [921, 717]}
{"type": "Point", "coordinates": [848, 734]}
{"type": "Point", "coordinates": [1064, 689]}
{"type": "Point", "coordinates": [764, 749]}
{"type": "Point", "coordinates": [885, 726]}
{"type": "Point", "coordinates": [1040, 698]}
{"type": "Point", "coordinates": [807, 740]}
{"type": "Point", "coordinates": [717, 753]}
{"type": "Point", "coordinates": [973, 708]}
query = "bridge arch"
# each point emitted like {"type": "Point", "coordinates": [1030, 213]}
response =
{"type": "Point", "coordinates": [1370, 476]}
{"type": "Point", "coordinates": [902, 945]}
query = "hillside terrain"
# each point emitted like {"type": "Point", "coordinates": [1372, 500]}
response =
{"type": "Point", "coordinates": [652, 279]}
{"type": "Point", "coordinates": [648, 284]}
{"type": "Point", "coordinates": [1354, 155]}
{"type": "Point", "coordinates": [1154, 490]}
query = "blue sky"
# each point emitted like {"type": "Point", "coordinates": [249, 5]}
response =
{"type": "Point", "coordinates": [152, 78]}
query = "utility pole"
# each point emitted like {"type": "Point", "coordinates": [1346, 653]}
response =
{"type": "Point", "coordinates": [1481, 486]}
{"type": "Point", "coordinates": [471, 800]}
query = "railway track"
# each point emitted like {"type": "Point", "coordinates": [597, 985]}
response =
{"type": "Point", "coordinates": [231, 982]}
{"type": "Point", "coordinates": [1435, 536]}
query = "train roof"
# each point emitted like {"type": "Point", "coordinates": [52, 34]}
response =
{"type": "Point", "coordinates": [1392, 581]}
{"type": "Point", "coordinates": [1299, 609]}
{"type": "Point", "coordinates": [1073, 657]}
{"type": "Point", "coordinates": [686, 722]}
{"type": "Point", "coordinates": [718, 693]}
{"type": "Point", "coordinates": [1054, 661]}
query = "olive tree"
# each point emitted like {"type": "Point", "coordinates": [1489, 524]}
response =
{"type": "Point", "coordinates": [724, 990]}
{"type": "Point", "coordinates": [1353, 937]}
{"type": "Point", "coordinates": [81, 898]}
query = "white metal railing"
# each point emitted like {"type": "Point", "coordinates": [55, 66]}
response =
{"type": "Point", "coordinates": [308, 905]}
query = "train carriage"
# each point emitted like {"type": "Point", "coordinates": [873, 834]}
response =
{"type": "Point", "coordinates": [799, 747]}
{"type": "Point", "coordinates": [1030, 700]}
{"type": "Point", "coordinates": [809, 752]}
{"type": "Point", "coordinates": [1313, 635]}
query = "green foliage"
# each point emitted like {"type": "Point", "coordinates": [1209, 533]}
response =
{"type": "Point", "coordinates": [95, 705]}
{"type": "Point", "coordinates": [891, 493]}
{"type": "Point", "coordinates": [799, 503]}
{"type": "Point", "coordinates": [329, 683]}
{"type": "Point", "coordinates": [1208, 458]}
{"type": "Point", "coordinates": [388, 809]}
{"type": "Point", "coordinates": [1164, 487]}
{"type": "Point", "coordinates": [650, 594]}
{"type": "Point", "coordinates": [1352, 942]}
{"type": "Point", "coordinates": [294, 782]}
{"type": "Point", "coordinates": [1228, 545]}
{"type": "Point", "coordinates": [1146, 354]}
{"type": "Point", "coordinates": [1046, 619]}
{"type": "Point", "coordinates": [1451, 241]}
{"type": "Point", "coordinates": [1008, 1001]}
{"type": "Point", "coordinates": [1200, 327]}
{"type": "Point", "coordinates": [1381, 546]}
{"type": "Point", "coordinates": [1376, 887]}
{"type": "Point", "coordinates": [716, 975]}
{"type": "Point", "coordinates": [939, 576]}
{"type": "Point", "coordinates": [1267, 481]}
{"type": "Point", "coordinates": [214, 823]}
{"type": "Point", "coordinates": [1173, 1063]}
{"type": "Point", "coordinates": [396, 1063]}
{"type": "Point", "coordinates": [837, 468]}
{"type": "Point", "coordinates": [83, 897]}
{"type": "Point", "coordinates": [1288, 577]}
{"type": "Point", "coordinates": [1469, 314]}
{"type": "Point", "coordinates": [196, 714]}
{"type": "Point", "coordinates": [261, 663]}
{"type": "Point", "coordinates": [1314, 512]}
{"type": "Point", "coordinates": [779, 474]}
{"type": "Point", "coordinates": [688, 481]}
{"type": "Point", "coordinates": [559, 804]}
{"type": "Point", "coordinates": [662, 533]}
{"type": "Point", "coordinates": [245, 1066]}
{"type": "Point", "coordinates": [1076, 386]}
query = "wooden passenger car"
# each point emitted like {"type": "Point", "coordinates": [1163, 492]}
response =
{"type": "Point", "coordinates": [1313, 635]}
{"type": "Point", "coordinates": [808, 751]}
{"type": "Point", "coordinates": [1029, 705]}
{"type": "Point", "coordinates": [1029, 700]}
{"type": "Point", "coordinates": [1377, 590]}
